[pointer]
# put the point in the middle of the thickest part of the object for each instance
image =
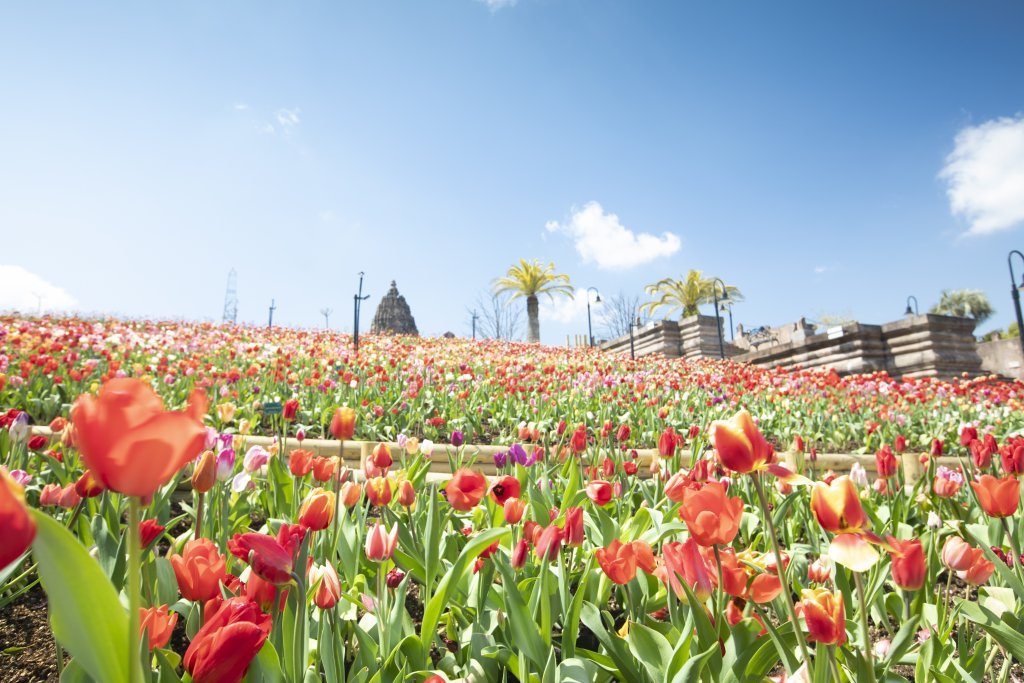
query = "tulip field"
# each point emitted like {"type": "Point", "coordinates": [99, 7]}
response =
{"type": "Point", "coordinates": [597, 518]}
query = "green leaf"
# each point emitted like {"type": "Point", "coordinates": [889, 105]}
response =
{"type": "Point", "coordinates": [520, 620]}
{"type": "Point", "coordinates": [650, 648]}
{"type": "Point", "coordinates": [1010, 638]}
{"type": "Point", "coordinates": [615, 646]}
{"type": "Point", "coordinates": [265, 667]}
{"type": "Point", "coordinates": [85, 613]}
{"type": "Point", "coordinates": [691, 672]}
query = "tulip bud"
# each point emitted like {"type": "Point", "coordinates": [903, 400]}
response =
{"type": "Point", "coordinates": [519, 554]}
{"type": "Point", "coordinates": [406, 494]}
{"type": "Point", "coordinates": [205, 474]}
{"type": "Point", "coordinates": [351, 492]}
{"type": "Point", "coordinates": [394, 578]}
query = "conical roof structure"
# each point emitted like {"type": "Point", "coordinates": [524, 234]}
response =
{"type": "Point", "coordinates": [393, 315]}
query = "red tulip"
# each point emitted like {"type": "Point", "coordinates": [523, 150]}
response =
{"type": "Point", "coordinates": [885, 462]}
{"type": "Point", "coordinates": [578, 441]}
{"type": "Point", "coordinates": [466, 489]}
{"type": "Point", "coordinates": [711, 516]}
{"type": "Point", "coordinates": [18, 525]}
{"type": "Point", "coordinates": [967, 435]}
{"type": "Point", "coordinates": [837, 506]}
{"type": "Point", "coordinates": [323, 468]}
{"type": "Point", "coordinates": [740, 445]}
{"type": "Point", "coordinates": [514, 509]}
{"type": "Point", "coordinates": [908, 563]}
{"type": "Point", "coordinates": [618, 561]}
{"type": "Point", "coordinates": [504, 488]}
{"type": "Point", "coordinates": [158, 624]}
{"type": "Point", "coordinates": [548, 543]}
{"type": "Point", "coordinates": [232, 635]}
{"type": "Point", "coordinates": [667, 443]}
{"type": "Point", "coordinates": [520, 553]}
{"type": "Point", "coordinates": [406, 494]}
{"type": "Point", "coordinates": [88, 486]}
{"type": "Point", "coordinates": [149, 531]}
{"type": "Point", "coordinates": [317, 510]}
{"type": "Point", "coordinates": [381, 457]}
{"type": "Point", "coordinates": [129, 442]}
{"type": "Point", "coordinates": [378, 491]}
{"type": "Point", "coordinates": [684, 560]}
{"type": "Point", "coordinates": [290, 409]}
{"type": "Point", "coordinates": [573, 534]}
{"type": "Point", "coordinates": [997, 497]}
{"type": "Point", "coordinates": [199, 570]}
{"type": "Point", "coordinates": [599, 492]}
{"type": "Point", "coordinates": [267, 557]}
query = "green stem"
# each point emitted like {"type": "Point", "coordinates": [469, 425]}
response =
{"type": "Point", "coordinates": [199, 515]}
{"type": "Point", "coordinates": [786, 588]}
{"type": "Point", "coordinates": [868, 654]}
{"type": "Point", "coordinates": [134, 600]}
{"type": "Point", "coordinates": [545, 604]}
{"type": "Point", "coordinates": [337, 496]}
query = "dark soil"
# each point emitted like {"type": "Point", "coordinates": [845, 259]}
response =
{"type": "Point", "coordinates": [26, 644]}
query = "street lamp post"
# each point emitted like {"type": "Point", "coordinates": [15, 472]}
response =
{"type": "Point", "coordinates": [475, 316]}
{"type": "Point", "coordinates": [632, 351]}
{"type": "Point", "coordinates": [914, 310]}
{"type": "Point", "coordinates": [590, 329]}
{"type": "Point", "coordinates": [357, 304]}
{"type": "Point", "coordinates": [270, 316]}
{"type": "Point", "coordinates": [718, 317]}
{"type": "Point", "coordinates": [1015, 291]}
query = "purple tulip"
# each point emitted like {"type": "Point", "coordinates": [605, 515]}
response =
{"type": "Point", "coordinates": [458, 438]}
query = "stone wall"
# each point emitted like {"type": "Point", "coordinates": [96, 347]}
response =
{"type": "Point", "coordinates": [691, 338]}
{"type": "Point", "coordinates": [916, 346]}
{"type": "Point", "coordinates": [1002, 357]}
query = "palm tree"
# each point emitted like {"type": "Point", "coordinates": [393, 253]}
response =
{"type": "Point", "coordinates": [530, 279]}
{"type": "Point", "coordinates": [686, 295]}
{"type": "Point", "coordinates": [964, 303]}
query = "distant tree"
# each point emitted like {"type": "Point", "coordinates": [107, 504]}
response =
{"type": "Point", "coordinates": [618, 313]}
{"type": "Point", "coordinates": [964, 303]}
{"type": "Point", "coordinates": [496, 319]}
{"type": "Point", "coordinates": [686, 295]}
{"type": "Point", "coordinates": [529, 280]}
{"type": "Point", "coordinates": [835, 319]}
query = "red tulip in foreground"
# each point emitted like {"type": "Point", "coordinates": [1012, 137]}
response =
{"type": "Point", "coordinates": [232, 635]}
{"type": "Point", "coordinates": [837, 508]}
{"type": "Point", "coordinates": [825, 615]}
{"type": "Point", "coordinates": [466, 489]}
{"type": "Point", "coordinates": [267, 557]}
{"type": "Point", "coordinates": [129, 442]}
{"type": "Point", "coordinates": [908, 563]}
{"type": "Point", "coordinates": [18, 527]}
{"type": "Point", "coordinates": [711, 516]}
{"type": "Point", "coordinates": [997, 497]}
{"type": "Point", "coordinates": [618, 561]}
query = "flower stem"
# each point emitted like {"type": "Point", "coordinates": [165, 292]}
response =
{"type": "Point", "coordinates": [787, 589]}
{"type": "Point", "coordinates": [868, 655]}
{"type": "Point", "coordinates": [199, 516]}
{"type": "Point", "coordinates": [134, 559]}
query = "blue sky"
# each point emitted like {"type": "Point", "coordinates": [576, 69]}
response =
{"type": "Point", "coordinates": [797, 150]}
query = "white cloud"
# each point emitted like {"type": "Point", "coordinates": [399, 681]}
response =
{"type": "Point", "coordinates": [24, 291]}
{"type": "Point", "coordinates": [600, 238]}
{"type": "Point", "coordinates": [240, 106]}
{"type": "Point", "coordinates": [563, 309]}
{"type": "Point", "coordinates": [985, 175]}
{"type": "Point", "coordinates": [287, 119]}
{"type": "Point", "coordinates": [819, 269]}
{"type": "Point", "coordinates": [495, 5]}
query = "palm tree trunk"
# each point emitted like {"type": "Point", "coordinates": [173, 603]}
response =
{"type": "Point", "coordinates": [533, 319]}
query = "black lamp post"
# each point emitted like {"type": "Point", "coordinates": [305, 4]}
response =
{"type": "Point", "coordinates": [718, 317]}
{"type": "Point", "coordinates": [914, 310]}
{"type": "Point", "coordinates": [475, 316]}
{"type": "Point", "coordinates": [632, 324]}
{"type": "Point", "coordinates": [357, 304]}
{"type": "Point", "coordinates": [590, 329]}
{"type": "Point", "coordinates": [270, 316]}
{"type": "Point", "coordinates": [1015, 291]}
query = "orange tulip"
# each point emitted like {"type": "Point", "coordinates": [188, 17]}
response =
{"type": "Point", "coordinates": [618, 561]}
{"type": "Point", "coordinates": [825, 615]}
{"type": "Point", "coordinates": [837, 506]}
{"type": "Point", "coordinates": [343, 424]}
{"type": "Point", "coordinates": [300, 462]}
{"type": "Point", "coordinates": [573, 534]}
{"type": "Point", "coordinates": [129, 442]}
{"type": "Point", "coordinates": [406, 494]}
{"type": "Point", "coordinates": [908, 564]}
{"type": "Point", "coordinates": [158, 624]}
{"type": "Point", "coordinates": [548, 543]}
{"type": "Point", "coordinates": [644, 556]}
{"type": "Point", "coordinates": [711, 516]}
{"type": "Point", "coordinates": [378, 491]}
{"type": "Point", "coordinates": [997, 497]}
{"type": "Point", "coordinates": [684, 560]}
{"type": "Point", "coordinates": [514, 509]}
{"type": "Point", "coordinates": [351, 492]}
{"type": "Point", "coordinates": [199, 570]}
{"type": "Point", "coordinates": [676, 487]}
{"type": "Point", "coordinates": [466, 489]}
{"type": "Point", "coordinates": [978, 573]}
{"type": "Point", "coordinates": [204, 476]}
{"type": "Point", "coordinates": [381, 457]}
{"type": "Point", "coordinates": [323, 468]}
{"type": "Point", "coordinates": [19, 527]}
{"type": "Point", "coordinates": [317, 510]}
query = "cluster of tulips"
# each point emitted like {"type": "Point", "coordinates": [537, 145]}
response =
{"type": "Point", "coordinates": [488, 390]}
{"type": "Point", "coordinates": [172, 546]}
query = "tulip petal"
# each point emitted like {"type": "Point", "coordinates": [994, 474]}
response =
{"type": "Point", "coordinates": [785, 475]}
{"type": "Point", "coordinates": [853, 552]}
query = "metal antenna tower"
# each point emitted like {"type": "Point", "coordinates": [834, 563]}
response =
{"type": "Point", "coordinates": [231, 299]}
{"type": "Point", "coordinates": [326, 313]}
